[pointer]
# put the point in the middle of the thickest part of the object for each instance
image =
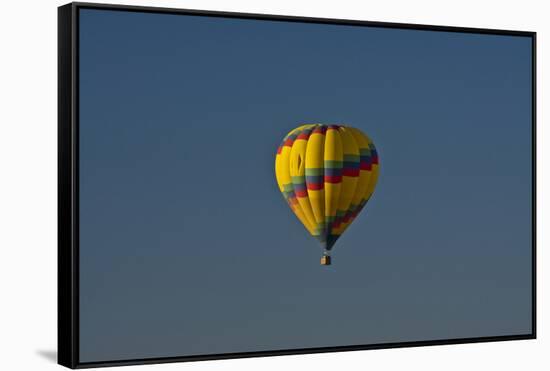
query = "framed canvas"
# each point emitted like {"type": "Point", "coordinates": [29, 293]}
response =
{"type": "Point", "coordinates": [240, 185]}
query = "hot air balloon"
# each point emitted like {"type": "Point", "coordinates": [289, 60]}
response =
{"type": "Point", "coordinates": [327, 174]}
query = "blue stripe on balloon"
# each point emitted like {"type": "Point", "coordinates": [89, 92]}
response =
{"type": "Point", "coordinates": [333, 171]}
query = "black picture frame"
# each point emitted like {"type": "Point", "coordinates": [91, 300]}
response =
{"type": "Point", "coordinates": [68, 183]}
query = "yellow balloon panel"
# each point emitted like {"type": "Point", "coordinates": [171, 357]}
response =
{"type": "Point", "coordinates": [315, 151]}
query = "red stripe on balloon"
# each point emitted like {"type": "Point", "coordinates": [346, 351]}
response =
{"type": "Point", "coordinates": [350, 172]}
{"type": "Point", "coordinates": [319, 130]}
{"type": "Point", "coordinates": [366, 165]}
{"type": "Point", "coordinates": [304, 136]}
{"type": "Point", "coordinates": [333, 178]}
{"type": "Point", "coordinates": [315, 186]}
{"type": "Point", "coordinates": [301, 193]}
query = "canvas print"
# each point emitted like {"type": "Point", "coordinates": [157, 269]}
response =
{"type": "Point", "coordinates": [255, 185]}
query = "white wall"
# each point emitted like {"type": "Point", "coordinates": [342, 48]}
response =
{"type": "Point", "coordinates": [28, 145]}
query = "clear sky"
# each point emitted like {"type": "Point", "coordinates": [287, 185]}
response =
{"type": "Point", "coordinates": [187, 247]}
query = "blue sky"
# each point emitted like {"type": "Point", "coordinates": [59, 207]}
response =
{"type": "Point", "coordinates": [187, 246]}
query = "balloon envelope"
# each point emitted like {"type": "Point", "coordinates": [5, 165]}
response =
{"type": "Point", "coordinates": [326, 173]}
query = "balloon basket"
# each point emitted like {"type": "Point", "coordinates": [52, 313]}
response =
{"type": "Point", "coordinates": [325, 260]}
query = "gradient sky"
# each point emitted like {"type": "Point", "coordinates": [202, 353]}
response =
{"type": "Point", "coordinates": [187, 247]}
